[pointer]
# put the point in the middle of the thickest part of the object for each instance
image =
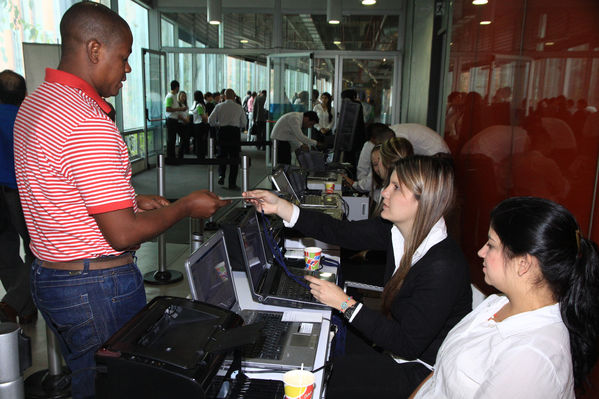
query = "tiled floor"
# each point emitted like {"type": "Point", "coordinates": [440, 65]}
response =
{"type": "Point", "coordinates": [179, 181]}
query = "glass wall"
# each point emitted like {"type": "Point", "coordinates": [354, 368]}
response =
{"type": "Point", "coordinates": [21, 21]}
{"type": "Point", "coordinates": [137, 17]}
{"type": "Point", "coordinates": [522, 107]}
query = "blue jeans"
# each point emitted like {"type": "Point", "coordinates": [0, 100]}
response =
{"type": "Point", "coordinates": [84, 309]}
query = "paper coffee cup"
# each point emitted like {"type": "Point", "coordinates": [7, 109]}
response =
{"type": "Point", "coordinates": [312, 257]}
{"type": "Point", "coordinates": [329, 187]}
{"type": "Point", "coordinates": [299, 384]}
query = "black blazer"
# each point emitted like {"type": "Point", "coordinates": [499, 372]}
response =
{"type": "Point", "coordinates": [434, 297]}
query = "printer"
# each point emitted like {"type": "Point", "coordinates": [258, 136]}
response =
{"type": "Point", "coordinates": [173, 347]}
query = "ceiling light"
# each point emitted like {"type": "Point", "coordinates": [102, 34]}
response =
{"type": "Point", "coordinates": [337, 42]}
{"type": "Point", "coordinates": [334, 11]}
{"type": "Point", "coordinates": [244, 41]}
{"type": "Point", "coordinates": [549, 43]}
{"type": "Point", "coordinates": [214, 14]}
{"type": "Point", "coordinates": [485, 22]}
{"type": "Point", "coordinates": [479, 2]}
{"type": "Point", "coordinates": [368, 2]}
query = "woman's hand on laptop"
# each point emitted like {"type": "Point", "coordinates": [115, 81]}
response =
{"type": "Point", "coordinates": [329, 293]}
{"type": "Point", "coordinates": [270, 203]}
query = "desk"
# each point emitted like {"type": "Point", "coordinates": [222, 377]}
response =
{"type": "Point", "coordinates": [318, 184]}
{"type": "Point", "coordinates": [322, 352]}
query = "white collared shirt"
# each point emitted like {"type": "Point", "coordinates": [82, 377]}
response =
{"type": "Point", "coordinates": [228, 113]}
{"type": "Point", "coordinates": [289, 128]}
{"type": "Point", "coordinates": [524, 356]}
{"type": "Point", "coordinates": [437, 234]}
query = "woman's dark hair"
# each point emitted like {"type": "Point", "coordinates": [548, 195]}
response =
{"type": "Point", "coordinates": [327, 106]}
{"type": "Point", "coordinates": [569, 265]}
{"type": "Point", "coordinates": [198, 97]}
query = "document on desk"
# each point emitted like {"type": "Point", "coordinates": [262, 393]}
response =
{"type": "Point", "coordinates": [302, 317]}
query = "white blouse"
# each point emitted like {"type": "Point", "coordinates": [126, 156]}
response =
{"type": "Point", "coordinates": [323, 118]}
{"type": "Point", "coordinates": [524, 356]}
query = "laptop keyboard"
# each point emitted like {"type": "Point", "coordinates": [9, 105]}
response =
{"type": "Point", "coordinates": [270, 344]}
{"type": "Point", "coordinates": [291, 289]}
{"type": "Point", "coordinates": [312, 200]}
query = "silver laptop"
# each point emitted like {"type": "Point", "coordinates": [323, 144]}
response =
{"type": "Point", "coordinates": [284, 345]}
{"type": "Point", "coordinates": [270, 284]}
{"type": "Point", "coordinates": [281, 181]}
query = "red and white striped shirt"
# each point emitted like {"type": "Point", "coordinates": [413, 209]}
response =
{"type": "Point", "coordinates": [71, 162]}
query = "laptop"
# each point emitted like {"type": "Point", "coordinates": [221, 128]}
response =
{"type": "Point", "coordinates": [285, 345]}
{"type": "Point", "coordinates": [281, 181]}
{"type": "Point", "coordinates": [269, 284]}
{"type": "Point", "coordinates": [314, 163]}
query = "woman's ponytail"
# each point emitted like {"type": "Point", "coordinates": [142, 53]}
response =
{"type": "Point", "coordinates": [579, 304]}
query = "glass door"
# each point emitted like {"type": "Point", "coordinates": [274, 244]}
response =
{"type": "Point", "coordinates": [154, 84]}
{"type": "Point", "coordinates": [376, 82]}
{"type": "Point", "coordinates": [291, 79]}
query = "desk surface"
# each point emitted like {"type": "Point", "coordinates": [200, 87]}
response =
{"type": "Point", "coordinates": [322, 352]}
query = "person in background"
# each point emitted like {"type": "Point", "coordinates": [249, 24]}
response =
{"type": "Point", "coordinates": [185, 126]}
{"type": "Point", "coordinates": [200, 124]}
{"type": "Point", "coordinates": [172, 122]}
{"type": "Point", "coordinates": [326, 119]}
{"type": "Point", "coordinates": [390, 350]}
{"type": "Point", "coordinates": [209, 101]}
{"type": "Point", "coordinates": [539, 338]}
{"type": "Point", "coordinates": [260, 117]}
{"type": "Point", "coordinates": [378, 133]}
{"type": "Point", "coordinates": [288, 132]}
{"type": "Point", "coordinates": [14, 273]}
{"type": "Point", "coordinates": [74, 178]}
{"type": "Point", "coordinates": [229, 117]}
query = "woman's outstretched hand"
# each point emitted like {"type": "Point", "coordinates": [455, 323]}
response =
{"type": "Point", "coordinates": [270, 203]}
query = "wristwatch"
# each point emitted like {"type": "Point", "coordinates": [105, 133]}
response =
{"type": "Point", "coordinates": [350, 311]}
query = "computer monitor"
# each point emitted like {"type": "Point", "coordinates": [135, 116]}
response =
{"type": "Point", "coordinates": [346, 128]}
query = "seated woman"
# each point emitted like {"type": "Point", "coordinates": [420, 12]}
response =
{"type": "Point", "coordinates": [427, 288]}
{"type": "Point", "coordinates": [539, 339]}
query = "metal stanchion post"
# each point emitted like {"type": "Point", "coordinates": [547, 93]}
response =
{"type": "Point", "coordinates": [275, 161]}
{"type": "Point", "coordinates": [245, 175]}
{"type": "Point", "coordinates": [196, 233]}
{"type": "Point", "coordinates": [11, 379]}
{"type": "Point", "coordinates": [55, 382]}
{"type": "Point", "coordinates": [162, 275]}
{"type": "Point", "coordinates": [211, 225]}
{"type": "Point", "coordinates": [211, 167]}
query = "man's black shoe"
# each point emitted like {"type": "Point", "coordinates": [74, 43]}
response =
{"type": "Point", "coordinates": [221, 180]}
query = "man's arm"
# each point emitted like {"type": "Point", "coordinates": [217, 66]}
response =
{"type": "Point", "coordinates": [301, 137]}
{"type": "Point", "coordinates": [124, 229]}
{"type": "Point", "coordinates": [213, 118]}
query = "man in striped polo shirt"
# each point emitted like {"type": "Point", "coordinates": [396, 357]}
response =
{"type": "Point", "coordinates": [73, 175]}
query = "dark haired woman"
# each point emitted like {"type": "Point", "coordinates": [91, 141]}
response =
{"type": "Point", "coordinates": [326, 121]}
{"type": "Point", "coordinates": [427, 288]}
{"type": "Point", "coordinates": [200, 124]}
{"type": "Point", "coordinates": [539, 339]}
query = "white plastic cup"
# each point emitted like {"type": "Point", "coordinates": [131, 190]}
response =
{"type": "Point", "coordinates": [312, 256]}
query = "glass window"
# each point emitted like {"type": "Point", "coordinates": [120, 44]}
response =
{"type": "Point", "coordinates": [137, 17]}
{"type": "Point", "coordinates": [21, 22]}
{"type": "Point", "coordinates": [356, 32]}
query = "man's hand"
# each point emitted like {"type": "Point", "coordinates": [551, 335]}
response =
{"type": "Point", "coordinates": [149, 202]}
{"type": "Point", "coordinates": [203, 203]}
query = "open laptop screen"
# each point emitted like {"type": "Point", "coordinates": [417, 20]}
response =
{"type": "Point", "coordinates": [253, 248]}
{"type": "Point", "coordinates": [282, 183]}
{"type": "Point", "coordinates": [209, 274]}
